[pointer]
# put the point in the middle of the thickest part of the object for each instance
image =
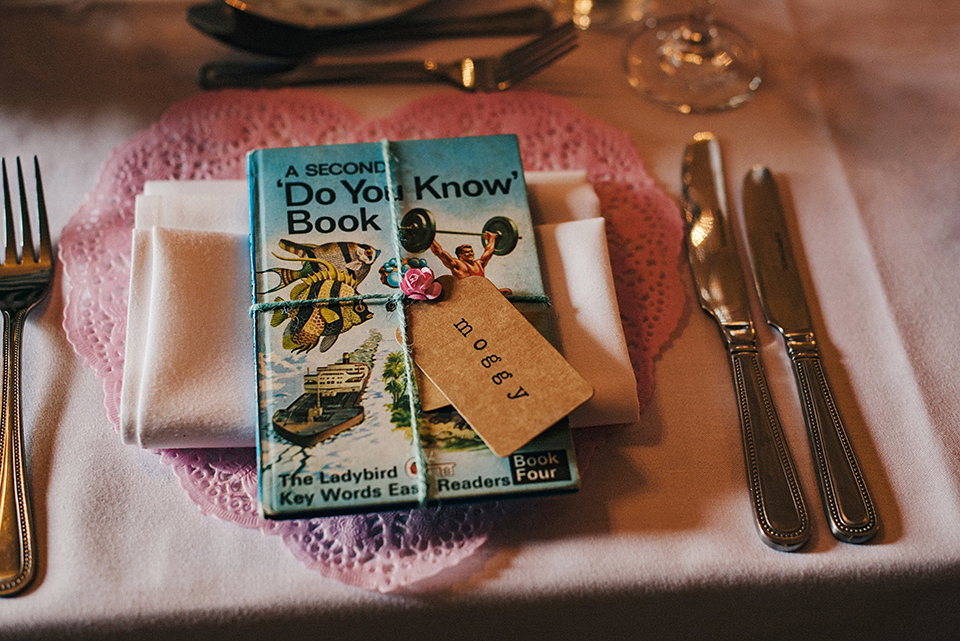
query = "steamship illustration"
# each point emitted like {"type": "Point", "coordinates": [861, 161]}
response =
{"type": "Point", "coordinates": [330, 403]}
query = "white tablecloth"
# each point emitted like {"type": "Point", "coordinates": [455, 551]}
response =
{"type": "Point", "coordinates": [858, 116]}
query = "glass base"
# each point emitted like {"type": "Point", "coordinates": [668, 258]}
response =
{"type": "Point", "coordinates": [692, 68]}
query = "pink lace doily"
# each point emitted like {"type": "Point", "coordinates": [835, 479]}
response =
{"type": "Point", "coordinates": [207, 137]}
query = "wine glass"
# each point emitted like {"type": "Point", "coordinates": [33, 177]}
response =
{"type": "Point", "coordinates": [692, 62]}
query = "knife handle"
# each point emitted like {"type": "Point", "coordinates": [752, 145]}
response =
{"type": "Point", "coordinates": [846, 499]}
{"type": "Point", "coordinates": [779, 509]}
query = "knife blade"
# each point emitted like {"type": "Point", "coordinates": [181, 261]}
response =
{"type": "Point", "coordinates": [251, 32]}
{"type": "Point", "coordinates": [850, 509]}
{"type": "Point", "coordinates": [780, 512]}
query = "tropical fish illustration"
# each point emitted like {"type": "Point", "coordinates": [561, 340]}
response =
{"type": "Point", "coordinates": [320, 324]}
{"type": "Point", "coordinates": [355, 259]}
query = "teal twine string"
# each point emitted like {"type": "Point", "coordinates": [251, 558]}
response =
{"type": "Point", "coordinates": [390, 162]}
{"type": "Point", "coordinates": [268, 306]}
{"type": "Point", "coordinates": [397, 298]}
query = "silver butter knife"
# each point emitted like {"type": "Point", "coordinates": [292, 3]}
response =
{"type": "Point", "coordinates": [779, 509]}
{"type": "Point", "coordinates": [846, 499]}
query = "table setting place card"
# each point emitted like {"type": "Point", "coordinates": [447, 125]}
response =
{"type": "Point", "coordinates": [490, 362]}
{"type": "Point", "coordinates": [188, 381]}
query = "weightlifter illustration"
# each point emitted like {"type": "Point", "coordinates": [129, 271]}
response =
{"type": "Point", "coordinates": [465, 262]}
{"type": "Point", "coordinates": [499, 236]}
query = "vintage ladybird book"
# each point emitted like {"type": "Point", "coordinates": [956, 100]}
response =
{"type": "Point", "coordinates": [334, 228]}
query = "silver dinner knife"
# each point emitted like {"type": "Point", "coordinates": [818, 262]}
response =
{"type": "Point", "coordinates": [846, 499]}
{"type": "Point", "coordinates": [780, 512]}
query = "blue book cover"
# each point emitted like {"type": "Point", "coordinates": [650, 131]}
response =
{"type": "Point", "coordinates": [333, 228]}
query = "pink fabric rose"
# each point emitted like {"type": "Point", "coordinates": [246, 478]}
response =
{"type": "Point", "coordinates": [418, 284]}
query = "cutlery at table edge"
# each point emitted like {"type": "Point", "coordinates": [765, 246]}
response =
{"type": "Point", "coordinates": [488, 73]}
{"type": "Point", "coordinates": [846, 499]}
{"type": "Point", "coordinates": [24, 281]}
{"type": "Point", "coordinates": [780, 513]}
{"type": "Point", "coordinates": [244, 30]}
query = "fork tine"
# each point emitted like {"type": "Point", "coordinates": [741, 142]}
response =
{"type": "Point", "coordinates": [548, 40]}
{"type": "Point", "coordinates": [558, 41]}
{"type": "Point", "coordinates": [550, 53]}
{"type": "Point", "coordinates": [527, 67]}
{"type": "Point", "coordinates": [547, 57]}
{"type": "Point", "coordinates": [11, 252]}
{"type": "Point", "coordinates": [518, 75]}
{"type": "Point", "coordinates": [26, 233]}
{"type": "Point", "coordinates": [46, 250]}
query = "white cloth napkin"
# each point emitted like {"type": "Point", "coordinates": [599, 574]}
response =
{"type": "Point", "coordinates": [189, 379]}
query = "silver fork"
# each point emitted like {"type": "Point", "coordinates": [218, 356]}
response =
{"type": "Point", "coordinates": [24, 280]}
{"type": "Point", "coordinates": [492, 73]}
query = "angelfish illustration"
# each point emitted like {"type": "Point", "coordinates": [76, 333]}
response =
{"type": "Point", "coordinates": [355, 259]}
{"type": "Point", "coordinates": [320, 324]}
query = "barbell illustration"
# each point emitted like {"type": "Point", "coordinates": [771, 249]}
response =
{"type": "Point", "coordinates": [418, 228]}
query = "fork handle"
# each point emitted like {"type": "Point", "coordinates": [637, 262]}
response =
{"type": "Point", "coordinates": [17, 551]}
{"type": "Point", "coordinates": [273, 75]}
{"type": "Point", "coordinates": [846, 499]}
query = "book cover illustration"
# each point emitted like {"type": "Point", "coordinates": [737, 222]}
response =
{"type": "Point", "coordinates": [333, 230]}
